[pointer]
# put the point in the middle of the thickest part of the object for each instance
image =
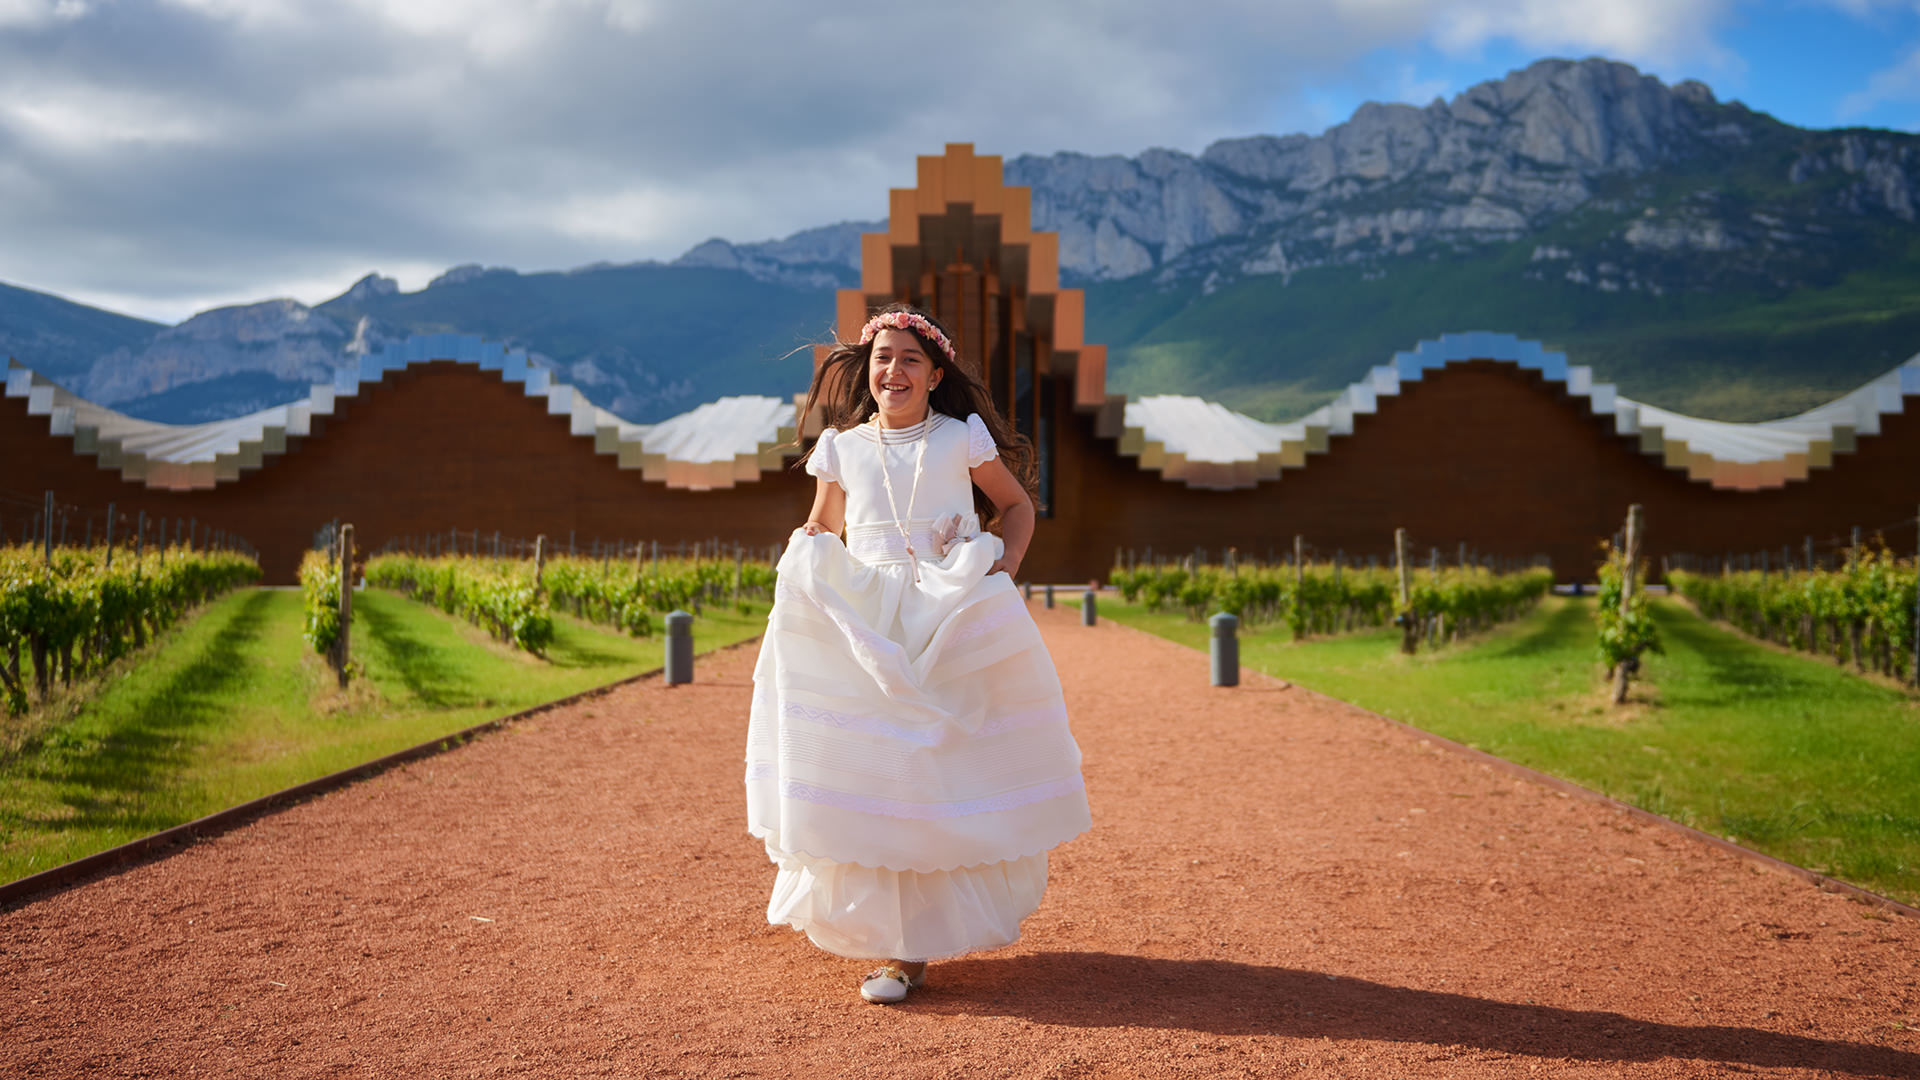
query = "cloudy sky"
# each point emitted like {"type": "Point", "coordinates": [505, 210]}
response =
{"type": "Point", "coordinates": [159, 157]}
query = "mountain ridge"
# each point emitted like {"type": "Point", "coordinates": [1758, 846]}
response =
{"type": "Point", "coordinates": [1265, 271]}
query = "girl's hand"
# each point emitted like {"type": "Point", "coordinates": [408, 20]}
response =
{"type": "Point", "coordinates": [813, 528]}
{"type": "Point", "coordinates": [1016, 513]}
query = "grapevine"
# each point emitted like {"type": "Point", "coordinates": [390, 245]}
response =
{"type": "Point", "coordinates": [626, 596]}
{"type": "Point", "coordinates": [74, 615]}
{"type": "Point", "coordinates": [497, 595]}
{"type": "Point", "coordinates": [1861, 613]}
{"type": "Point", "coordinates": [502, 595]}
{"type": "Point", "coordinates": [320, 593]}
{"type": "Point", "coordinates": [1623, 637]}
{"type": "Point", "coordinates": [1329, 600]}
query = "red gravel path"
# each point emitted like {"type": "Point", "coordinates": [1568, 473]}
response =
{"type": "Point", "coordinates": [1277, 884]}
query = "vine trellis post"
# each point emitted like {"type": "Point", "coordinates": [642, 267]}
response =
{"type": "Point", "coordinates": [341, 652]}
{"type": "Point", "coordinates": [1409, 632]}
{"type": "Point", "coordinates": [1629, 579]}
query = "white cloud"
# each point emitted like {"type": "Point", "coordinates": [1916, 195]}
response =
{"type": "Point", "coordinates": [1409, 86]}
{"type": "Point", "coordinates": [1897, 84]}
{"type": "Point", "coordinates": [84, 123]}
{"type": "Point", "coordinates": [1865, 8]}
{"type": "Point", "coordinates": [323, 283]}
{"type": "Point", "coordinates": [1645, 31]}
{"type": "Point", "coordinates": [39, 12]}
{"type": "Point", "coordinates": [254, 14]}
{"type": "Point", "coordinates": [189, 149]}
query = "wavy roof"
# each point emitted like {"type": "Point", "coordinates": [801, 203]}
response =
{"type": "Point", "coordinates": [1206, 445]}
{"type": "Point", "coordinates": [717, 445]}
{"type": "Point", "coordinates": [1186, 439]}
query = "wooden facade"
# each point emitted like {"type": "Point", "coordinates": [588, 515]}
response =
{"type": "Point", "coordinates": [437, 447]}
{"type": "Point", "coordinates": [962, 246]}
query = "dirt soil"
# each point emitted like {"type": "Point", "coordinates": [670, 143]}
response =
{"type": "Point", "coordinates": [1277, 884]}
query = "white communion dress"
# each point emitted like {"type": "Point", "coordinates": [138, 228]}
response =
{"type": "Point", "coordinates": [908, 759]}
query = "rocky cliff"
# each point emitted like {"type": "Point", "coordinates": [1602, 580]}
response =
{"type": "Point", "coordinates": [823, 258]}
{"type": "Point", "coordinates": [281, 338]}
{"type": "Point", "coordinates": [1500, 161]}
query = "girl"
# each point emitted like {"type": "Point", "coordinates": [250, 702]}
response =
{"type": "Point", "coordinates": [908, 758]}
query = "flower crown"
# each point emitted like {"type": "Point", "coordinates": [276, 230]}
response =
{"type": "Point", "coordinates": [908, 320]}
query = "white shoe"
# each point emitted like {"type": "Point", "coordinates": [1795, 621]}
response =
{"type": "Point", "coordinates": [889, 985]}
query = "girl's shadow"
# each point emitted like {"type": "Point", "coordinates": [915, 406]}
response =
{"type": "Point", "coordinates": [1077, 989]}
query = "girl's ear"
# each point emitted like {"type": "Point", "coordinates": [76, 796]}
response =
{"type": "Point", "coordinates": [934, 379]}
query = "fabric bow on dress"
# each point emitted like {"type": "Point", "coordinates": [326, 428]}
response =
{"type": "Point", "coordinates": [946, 535]}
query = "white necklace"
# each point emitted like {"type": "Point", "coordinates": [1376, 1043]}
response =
{"type": "Point", "coordinates": [904, 524]}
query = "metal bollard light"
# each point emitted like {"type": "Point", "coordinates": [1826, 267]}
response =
{"type": "Point", "coordinates": [1026, 592]}
{"type": "Point", "coordinates": [1088, 614]}
{"type": "Point", "coordinates": [679, 648]}
{"type": "Point", "coordinates": [1225, 649]}
{"type": "Point", "coordinates": [1049, 598]}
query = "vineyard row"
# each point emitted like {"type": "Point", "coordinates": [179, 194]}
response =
{"type": "Point", "coordinates": [513, 599]}
{"type": "Point", "coordinates": [1866, 612]}
{"type": "Point", "coordinates": [82, 608]}
{"type": "Point", "coordinates": [1327, 598]}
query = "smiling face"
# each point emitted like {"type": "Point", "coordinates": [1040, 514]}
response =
{"type": "Point", "coordinates": [900, 375]}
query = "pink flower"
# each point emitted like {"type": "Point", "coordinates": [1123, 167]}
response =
{"type": "Point", "coordinates": [907, 320]}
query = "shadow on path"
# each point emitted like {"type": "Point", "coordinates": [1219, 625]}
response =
{"type": "Point", "coordinates": [1091, 989]}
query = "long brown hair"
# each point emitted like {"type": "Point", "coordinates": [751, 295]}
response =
{"type": "Point", "coordinates": [842, 386]}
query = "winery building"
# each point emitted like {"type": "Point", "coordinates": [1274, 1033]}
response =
{"type": "Point", "coordinates": [1475, 439]}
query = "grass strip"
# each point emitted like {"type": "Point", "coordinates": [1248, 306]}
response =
{"type": "Point", "coordinates": [1785, 754]}
{"type": "Point", "coordinates": [233, 705]}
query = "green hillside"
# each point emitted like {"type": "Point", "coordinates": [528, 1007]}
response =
{"type": "Point", "coordinates": [59, 337]}
{"type": "Point", "coordinates": [1799, 297]}
{"type": "Point", "coordinates": [672, 337]}
{"type": "Point", "coordinates": [1276, 349]}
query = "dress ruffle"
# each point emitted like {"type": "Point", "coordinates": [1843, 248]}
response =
{"type": "Point", "coordinates": [908, 758]}
{"type": "Point", "coordinates": [874, 914]}
{"type": "Point", "coordinates": [903, 725]}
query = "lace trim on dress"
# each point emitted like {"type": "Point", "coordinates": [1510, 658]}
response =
{"type": "Point", "coordinates": [824, 462]}
{"type": "Point", "coordinates": [876, 542]}
{"type": "Point", "coordinates": [980, 445]}
{"type": "Point", "coordinates": [873, 432]}
{"type": "Point", "coordinates": [875, 642]}
{"type": "Point", "coordinates": [986, 625]}
{"type": "Point", "coordinates": [895, 808]}
{"type": "Point", "coordinates": [874, 725]}
{"type": "Point", "coordinates": [869, 643]}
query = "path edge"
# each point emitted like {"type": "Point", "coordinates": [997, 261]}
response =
{"type": "Point", "coordinates": [1567, 787]}
{"type": "Point", "coordinates": [170, 841]}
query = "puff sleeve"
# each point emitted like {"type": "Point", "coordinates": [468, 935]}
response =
{"type": "Point", "coordinates": [824, 462]}
{"type": "Point", "coordinates": [980, 445]}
